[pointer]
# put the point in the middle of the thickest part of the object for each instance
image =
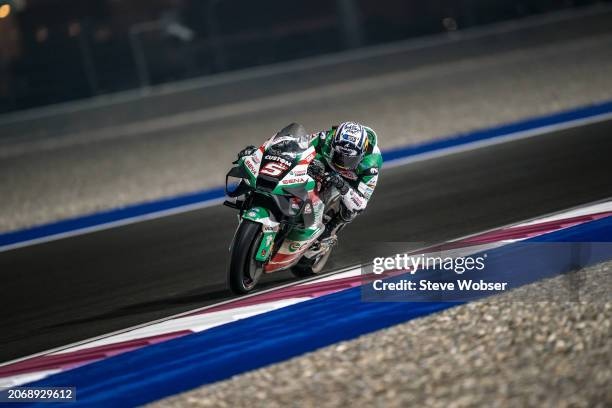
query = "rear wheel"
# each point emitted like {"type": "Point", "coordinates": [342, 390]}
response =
{"type": "Point", "coordinates": [313, 266]}
{"type": "Point", "coordinates": [245, 270]}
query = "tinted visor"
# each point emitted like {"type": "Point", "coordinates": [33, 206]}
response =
{"type": "Point", "coordinates": [344, 161]}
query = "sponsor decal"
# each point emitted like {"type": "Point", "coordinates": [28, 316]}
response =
{"type": "Point", "coordinates": [308, 209]}
{"type": "Point", "coordinates": [351, 128]}
{"type": "Point", "coordinates": [252, 214]}
{"type": "Point", "coordinates": [310, 156]}
{"type": "Point", "coordinates": [295, 203]}
{"type": "Point", "coordinates": [295, 246]}
{"type": "Point", "coordinates": [295, 180]}
{"type": "Point", "coordinates": [372, 182]}
{"type": "Point", "coordinates": [350, 138]}
{"type": "Point", "coordinates": [278, 159]}
{"type": "Point", "coordinates": [348, 174]}
{"type": "Point", "coordinates": [269, 240]}
{"type": "Point", "coordinates": [357, 200]}
{"type": "Point", "coordinates": [372, 171]}
{"type": "Point", "coordinates": [351, 132]}
{"type": "Point", "coordinates": [251, 166]}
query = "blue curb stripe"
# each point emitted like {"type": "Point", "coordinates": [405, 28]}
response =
{"type": "Point", "coordinates": [500, 131]}
{"type": "Point", "coordinates": [168, 368]}
{"type": "Point", "coordinates": [200, 197]}
{"type": "Point", "coordinates": [110, 216]}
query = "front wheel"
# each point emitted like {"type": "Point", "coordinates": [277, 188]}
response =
{"type": "Point", "coordinates": [245, 270]}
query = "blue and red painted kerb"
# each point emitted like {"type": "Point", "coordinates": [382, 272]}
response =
{"type": "Point", "coordinates": [335, 312]}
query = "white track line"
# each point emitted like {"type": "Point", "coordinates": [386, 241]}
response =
{"type": "Point", "coordinates": [187, 321]}
{"type": "Point", "coordinates": [164, 319]}
{"type": "Point", "coordinates": [510, 137]}
{"type": "Point", "coordinates": [115, 224]}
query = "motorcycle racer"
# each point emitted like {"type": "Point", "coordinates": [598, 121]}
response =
{"type": "Point", "coordinates": [349, 159]}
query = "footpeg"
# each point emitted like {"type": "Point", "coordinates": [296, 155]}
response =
{"type": "Point", "coordinates": [328, 242]}
{"type": "Point", "coordinates": [321, 246]}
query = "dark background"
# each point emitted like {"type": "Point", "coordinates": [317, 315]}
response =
{"type": "Point", "coordinates": [59, 50]}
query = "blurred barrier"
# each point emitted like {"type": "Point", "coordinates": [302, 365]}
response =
{"type": "Point", "coordinates": [227, 88]}
{"type": "Point", "coordinates": [87, 58]}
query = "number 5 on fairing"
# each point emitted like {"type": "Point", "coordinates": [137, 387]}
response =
{"type": "Point", "coordinates": [273, 169]}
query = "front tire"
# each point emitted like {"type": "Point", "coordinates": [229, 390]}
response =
{"type": "Point", "coordinates": [245, 270]}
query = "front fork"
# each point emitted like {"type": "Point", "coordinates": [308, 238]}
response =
{"type": "Point", "coordinates": [270, 228]}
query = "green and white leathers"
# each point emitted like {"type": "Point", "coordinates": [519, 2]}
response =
{"type": "Point", "coordinates": [363, 179]}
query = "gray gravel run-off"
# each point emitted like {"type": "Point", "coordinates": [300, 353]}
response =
{"type": "Point", "coordinates": [496, 352]}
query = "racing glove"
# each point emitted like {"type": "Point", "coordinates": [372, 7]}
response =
{"type": "Point", "coordinates": [336, 180]}
{"type": "Point", "coordinates": [247, 151]}
{"type": "Point", "coordinates": [316, 169]}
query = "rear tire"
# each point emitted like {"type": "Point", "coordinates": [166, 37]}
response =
{"type": "Point", "coordinates": [244, 270]}
{"type": "Point", "coordinates": [310, 267]}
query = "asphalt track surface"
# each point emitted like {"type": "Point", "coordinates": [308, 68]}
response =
{"type": "Point", "coordinates": [75, 288]}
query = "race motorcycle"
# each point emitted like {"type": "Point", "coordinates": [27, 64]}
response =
{"type": "Point", "coordinates": [282, 211]}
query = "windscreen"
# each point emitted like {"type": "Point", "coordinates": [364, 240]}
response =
{"type": "Point", "coordinates": [288, 145]}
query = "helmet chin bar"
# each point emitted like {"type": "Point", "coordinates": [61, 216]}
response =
{"type": "Point", "coordinates": [346, 163]}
